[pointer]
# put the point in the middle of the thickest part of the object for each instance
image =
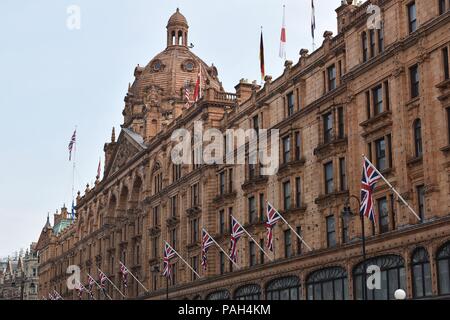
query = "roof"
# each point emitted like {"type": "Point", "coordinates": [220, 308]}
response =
{"type": "Point", "coordinates": [177, 19]}
{"type": "Point", "coordinates": [64, 223]}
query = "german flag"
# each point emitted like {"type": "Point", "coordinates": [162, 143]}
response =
{"type": "Point", "coordinates": [261, 56]}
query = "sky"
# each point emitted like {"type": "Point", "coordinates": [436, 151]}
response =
{"type": "Point", "coordinates": [53, 79]}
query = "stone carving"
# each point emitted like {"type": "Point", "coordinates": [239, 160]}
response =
{"type": "Point", "coordinates": [153, 95]}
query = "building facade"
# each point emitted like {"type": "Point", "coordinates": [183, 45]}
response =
{"type": "Point", "coordinates": [380, 92]}
{"type": "Point", "coordinates": [19, 276]}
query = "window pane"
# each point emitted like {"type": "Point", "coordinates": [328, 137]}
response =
{"type": "Point", "coordinates": [444, 277]}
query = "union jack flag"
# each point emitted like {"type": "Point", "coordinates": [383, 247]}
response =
{"type": "Point", "coordinates": [50, 297]}
{"type": "Point", "coordinates": [370, 177]}
{"type": "Point", "coordinates": [236, 233]}
{"type": "Point", "coordinates": [72, 142]}
{"type": "Point", "coordinates": [57, 296]}
{"type": "Point", "coordinates": [80, 289]}
{"type": "Point", "coordinates": [91, 283]}
{"type": "Point", "coordinates": [102, 280]}
{"type": "Point", "coordinates": [187, 95]}
{"type": "Point", "coordinates": [272, 218]}
{"type": "Point", "coordinates": [207, 242]}
{"type": "Point", "coordinates": [124, 273]}
{"type": "Point", "coordinates": [169, 253]}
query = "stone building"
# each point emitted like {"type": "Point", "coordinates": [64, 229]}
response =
{"type": "Point", "coordinates": [379, 92]}
{"type": "Point", "coordinates": [19, 276]}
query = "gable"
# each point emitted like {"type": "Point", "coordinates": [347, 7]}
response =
{"type": "Point", "coordinates": [128, 146]}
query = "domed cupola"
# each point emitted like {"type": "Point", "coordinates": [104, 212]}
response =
{"type": "Point", "coordinates": [177, 30]}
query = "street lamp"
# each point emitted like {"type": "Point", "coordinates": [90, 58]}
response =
{"type": "Point", "coordinates": [347, 213]}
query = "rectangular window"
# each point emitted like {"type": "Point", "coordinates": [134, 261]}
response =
{"type": "Point", "coordinates": [298, 192]}
{"type": "Point", "coordinates": [194, 231]}
{"type": "Point", "coordinates": [331, 232]}
{"type": "Point", "coordinates": [412, 17]}
{"type": "Point", "coordinates": [331, 77]}
{"type": "Point", "coordinates": [262, 207]}
{"type": "Point", "coordinates": [173, 238]}
{"type": "Point", "coordinates": [328, 127]}
{"type": "Point", "coordinates": [230, 180]}
{"type": "Point", "coordinates": [381, 38]}
{"type": "Point", "coordinates": [443, 6]}
{"type": "Point", "coordinates": [222, 183]}
{"type": "Point", "coordinates": [287, 195]}
{"type": "Point", "coordinates": [195, 195]}
{"type": "Point", "coordinates": [368, 104]}
{"type": "Point", "coordinates": [251, 171]}
{"type": "Point", "coordinates": [421, 201]}
{"type": "Point", "coordinates": [414, 81]}
{"type": "Point", "coordinates": [195, 267]}
{"type": "Point", "coordinates": [156, 216]}
{"type": "Point", "coordinates": [298, 143]}
{"type": "Point", "coordinates": [290, 104]}
{"type": "Point", "coordinates": [342, 174]}
{"type": "Point", "coordinates": [286, 149]}
{"type": "Point", "coordinates": [329, 181]}
{"type": "Point", "coordinates": [256, 123]}
{"type": "Point", "coordinates": [287, 244]}
{"type": "Point", "coordinates": [383, 215]}
{"type": "Point", "coordinates": [392, 203]}
{"type": "Point", "coordinates": [299, 242]}
{"type": "Point", "coordinates": [365, 49]}
{"type": "Point", "coordinates": [174, 208]}
{"type": "Point", "coordinates": [377, 96]}
{"type": "Point", "coordinates": [252, 210]}
{"type": "Point", "coordinates": [448, 124]}
{"type": "Point", "coordinates": [387, 95]}
{"type": "Point", "coordinates": [446, 63]}
{"type": "Point", "coordinates": [372, 42]}
{"type": "Point", "coordinates": [221, 222]}
{"type": "Point", "coordinates": [380, 146]}
{"type": "Point", "coordinates": [341, 128]}
{"type": "Point", "coordinates": [252, 251]}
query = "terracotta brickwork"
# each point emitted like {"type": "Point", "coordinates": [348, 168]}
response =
{"type": "Point", "coordinates": [354, 95]}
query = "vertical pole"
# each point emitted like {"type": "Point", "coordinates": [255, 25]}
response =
{"type": "Point", "coordinates": [364, 287]}
{"type": "Point", "coordinates": [167, 288]}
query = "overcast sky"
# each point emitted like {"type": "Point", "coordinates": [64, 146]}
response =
{"type": "Point", "coordinates": [53, 79]}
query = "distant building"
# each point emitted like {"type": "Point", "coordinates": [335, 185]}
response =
{"type": "Point", "coordinates": [19, 276]}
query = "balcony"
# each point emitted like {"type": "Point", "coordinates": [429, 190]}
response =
{"type": "Point", "coordinates": [154, 231]}
{"type": "Point", "coordinates": [172, 221]}
{"type": "Point", "coordinates": [254, 182]}
{"type": "Point", "coordinates": [291, 166]}
{"type": "Point", "coordinates": [376, 123]}
{"type": "Point", "coordinates": [324, 200]}
{"type": "Point", "coordinates": [225, 196]}
{"type": "Point", "coordinates": [193, 212]}
{"type": "Point", "coordinates": [335, 146]}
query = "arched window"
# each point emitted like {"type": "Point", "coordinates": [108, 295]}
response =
{"type": "Point", "coordinates": [393, 277]}
{"type": "Point", "coordinates": [180, 38]}
{"type": "Point", "coordinates": [421, 273]}
{"type": "Point", "coordinates": [249, 292]}
{"type": "Point", "coordinates": [418, 138]}
{"type": "Point", "coordinates": [219, 295]}
{"type": "Point", "coordinates": [443, 265]}
{"type": "Point", "coordinates": [174, 39]}
{"type": "Point", "coordinates": [328, 284]}
{"type": "Point", "coordinates": [287, 288]}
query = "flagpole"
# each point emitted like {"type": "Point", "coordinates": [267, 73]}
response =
{"type": "Point", "coordinates": [226, 254]}
{"type": "Point", "coordinates": [131, 273]}
{"type": "Point", "coordinates": [100, 287]}
{"type": "Point", "coordinates": [112, 283]}
{"type": "Point", "coordinates": [189, 266]}
{"type": "Point", "coordinates": [392, 188]}
{"type": "Point", "coordinates": [256, 243]}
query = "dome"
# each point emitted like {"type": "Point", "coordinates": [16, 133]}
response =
{"type": "Point", "coordinates": [177, 19]}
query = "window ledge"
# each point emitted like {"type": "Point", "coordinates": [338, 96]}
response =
{"type": "Point", "coordinates": [446, 149]}
{"type": "Point", "coordinates": [414, 161]}
{"type": "Point", "coordinates": [379, 117]}
{"type": "Point", "coordinates": [413, 102]}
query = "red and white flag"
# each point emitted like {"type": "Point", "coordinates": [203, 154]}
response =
{"type": "Point", "coordinates": [124, 273]}
{"type": "Point", "coordinates": [283, 36]}
{"type": "Point", "coordinates": [198, 86]}
{"type": "Point", "coordinates": [272, 218]}
{"type": "Point", "coordinates": [102, 280]}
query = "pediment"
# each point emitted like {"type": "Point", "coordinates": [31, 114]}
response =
{"type": "Point", "coordinates": [128, 146]}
